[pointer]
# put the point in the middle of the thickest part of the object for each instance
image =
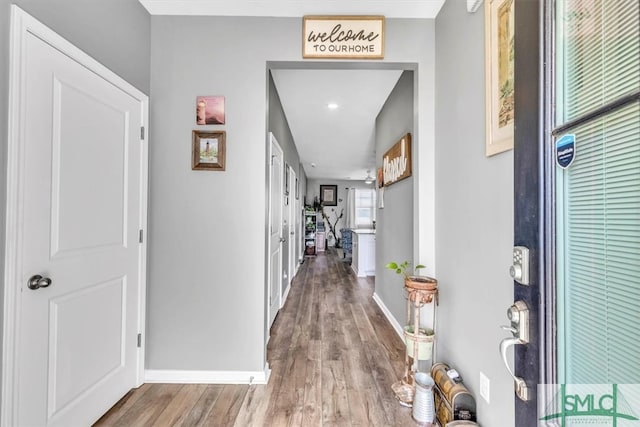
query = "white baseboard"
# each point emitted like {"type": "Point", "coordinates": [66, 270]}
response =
{"type": "Point", "coordinates": [286, 294]}
{"type": "Point", "coordinates": [396, 325]}
{"type": "Point", "coordinates": [207, 377]}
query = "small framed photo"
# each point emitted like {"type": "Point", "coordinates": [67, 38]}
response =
{"type": "Point", "coordinates": [210, 110]}
{"type": "Point", "coordinates": [287, 184]}
{"type": "Point", "coordinates": [208, 150]}
{"type": "Point", "coordinates": [329, 195]}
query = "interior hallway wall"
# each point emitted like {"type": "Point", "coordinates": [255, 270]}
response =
{"type": "Point", "coordinates": [116, 33]}
{"type": "Point", "coordinates": [207, 255]}
{"type": "Point", "coordinates": [206, 306]}
{"type": "Point", "coordinates": [474, 216]}
{"type": "Point", "coordinates": [4, 109]}
{"type": "Point", "coordinates": [394, 227]}
{"type": "Point", "coordinates": [279, 125]}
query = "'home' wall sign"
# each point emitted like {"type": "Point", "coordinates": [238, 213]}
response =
{"type": "Point", "coordinates": [345, 37]}
{"type": "Point", "coordinates": [396, 162]}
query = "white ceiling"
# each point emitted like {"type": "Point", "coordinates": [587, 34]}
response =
{"type": "Point", "coordinates": [340, 143]}
{"type": "Point", "coordinates": [296, 8]}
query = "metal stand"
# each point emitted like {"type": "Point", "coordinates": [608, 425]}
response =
{"type": "Point", "coordinates": [419, 293]}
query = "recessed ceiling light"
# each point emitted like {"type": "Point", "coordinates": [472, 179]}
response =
{"type": "Point", "coordinates": [332, 105]}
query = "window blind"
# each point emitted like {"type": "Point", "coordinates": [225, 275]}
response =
{"type": "Point", "coordinates": [365, 208]}
{"type": "Point", "coordinates": [601, 249]}
{"type": "Point", "coordinates": [598, 47]}
{"type": "Point", "coordinates": [598, 197]}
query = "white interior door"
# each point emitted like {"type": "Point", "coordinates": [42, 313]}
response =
{"type": "Point", "coordinates": [293, 233]}
{"type": "Point", "coordinates": [276, 174]}
{"type": "Point", "coordinates": [299, 234]}
{"type": "Point", "coordinates": [79, 167]}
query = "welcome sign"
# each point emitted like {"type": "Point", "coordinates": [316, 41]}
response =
{"type": "Point", "coordinates": [345, 37]}
{"type": "Point", "coordinates": [396, 162]}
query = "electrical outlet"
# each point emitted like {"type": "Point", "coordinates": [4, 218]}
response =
{"type": "Point", "coordinates": [485, 387]}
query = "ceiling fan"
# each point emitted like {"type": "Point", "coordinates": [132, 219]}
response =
{"type": "Point", "coordinates": [369, 179]}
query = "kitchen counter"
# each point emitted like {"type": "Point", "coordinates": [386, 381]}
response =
{"type": "Point", "coordinates": [363, 261]}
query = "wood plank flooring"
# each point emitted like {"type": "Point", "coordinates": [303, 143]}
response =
{"type": "Point", "coordinates": [333, 357]}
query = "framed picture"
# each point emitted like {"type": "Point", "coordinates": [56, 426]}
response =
{"type": "Point", "coordinates": [208, 150]}
{"type": "Point", "coordinates": [210, 110]}
{"type": "Point", "coordinates": [287, 184]}
{"type": "Point", "coordinates": [329, 195]}
{"type": "Point", "coordinates": [380, 177]}
{"type": "Point", "coordinates": [499, 65]}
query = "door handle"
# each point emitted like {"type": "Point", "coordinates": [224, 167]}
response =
{"type": "Point", "coordinates": [518, 314]}
{"type": "Point", "coordinates": [282, 240]}
{"type": "Point", "coordinates": [37, 282]}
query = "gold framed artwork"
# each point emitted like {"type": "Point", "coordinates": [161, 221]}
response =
{"type": "Point", "coordinates": [499, 65]}
{"type": "Point", "coordinates": [208, 150]}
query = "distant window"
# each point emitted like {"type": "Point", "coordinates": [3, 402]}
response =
{"type": "Point", "coordinates": [365, 208]}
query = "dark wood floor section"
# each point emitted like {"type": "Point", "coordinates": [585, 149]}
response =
{"type": "Point", "coordinates": [333, 357]}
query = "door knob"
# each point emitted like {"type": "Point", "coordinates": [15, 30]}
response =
{"type": "Point", "coordinates": [282, 239]}
{"type": "Point", "coordinates": [37, 282]}
{"type": "Point", "coordinates": [518, 314]}
{"type": "Point", "coordinates": [519, 384]}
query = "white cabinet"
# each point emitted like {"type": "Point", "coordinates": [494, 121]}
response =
{"type": "Point", "coordinates": [320, 241]}
{"type": "Point", "coordinates": [363, 261]}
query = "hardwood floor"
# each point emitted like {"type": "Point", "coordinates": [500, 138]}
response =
{"type": "Point", "coordinates": [333, 357]}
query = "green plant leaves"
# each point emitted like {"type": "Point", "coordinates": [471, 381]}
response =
{"type": "Point", "coordinates": [402, 267]}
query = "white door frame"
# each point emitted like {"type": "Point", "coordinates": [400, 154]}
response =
{"type": "Point", "coordinates": [21, 25]}
{"type": "Point", "coordinates": [293, 231]}
{"type": "Point", "coordinates": [299, 231]}
{"type": "Point", "coordinates": [272, 142]}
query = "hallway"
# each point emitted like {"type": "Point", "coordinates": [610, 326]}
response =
{"type": "Point", "coordinates": [333, 358]}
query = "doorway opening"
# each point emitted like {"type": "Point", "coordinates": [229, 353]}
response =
{"type": "Point", "coordinates": [308, 104]}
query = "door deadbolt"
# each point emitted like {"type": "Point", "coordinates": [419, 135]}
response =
{"type": "Point", "coordinates": [37, 282]}
{"type": "Point", "coordinates": [519, 269]}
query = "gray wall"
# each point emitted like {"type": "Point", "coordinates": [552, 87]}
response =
{"type": "Point", "coordinates": [279, 125]}
{"type": "Point", "coordinates": [474, 216]}
{"type": "Point", "coordinates": [116, 33]}
{"type": "Point", "coordinates": [4, 100]}
{"type": "Point", "coordinates": [206, 300]}
{"type": "Point", "coordinates": [206, 258]}
{"type": "Point", "coordinates": [394, 226]}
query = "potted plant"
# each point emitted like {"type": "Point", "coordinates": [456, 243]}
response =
{"type": "Point", "coordinates": [422, 289]}
{"type": "Point", "coordinates": [413, 281]}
